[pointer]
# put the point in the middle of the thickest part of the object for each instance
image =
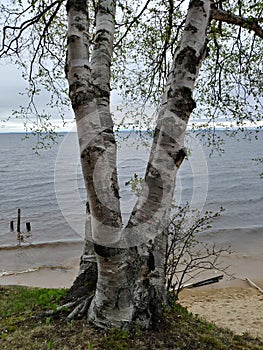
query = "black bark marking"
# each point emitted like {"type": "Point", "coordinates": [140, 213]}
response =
{"type": "Point", "coordinates": [66, 67]}
{"type": "Point", "coordinates": [181, 102]}
{"type": "Point", "coordinates": [107, 252]}
{"type": "Point", "coordinates": [196, 3]}
{"type": "Point", "coordinates": [92, 150]}
{"type": "Point", "coordinates": [102, 35]}
{"type": "Point", "coordinates": [151, 262]}
{"type": "Point", "coordinates": [115, 188]}
{"type": "Point", "coordinates": [108, 135]}
{"type": "Point", "coordinates": [189, 58]}
{"type": "Point", "coordinates": [80, 26]}
{"type": "Point", "coordinates": [179, 157]}
{"type": "Point", "coordinates": [191, 28]}
{"type": "Point", "coordinates": [78, 5]}
{"type": "Point", "coordinates": [84, 284]}
{"type": "Point", "coordinates": [79, 94]}
{"type": "Point", "coordinates": [87, 207]}
{"type": "Point", "coordinates": [72, 38]}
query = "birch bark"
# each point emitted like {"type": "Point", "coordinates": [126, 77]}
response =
{"type": "Point", "coordinates": [151, 213]}
{"type": "Point", "coordinates": [89, 90]}
{"type": "Point", "coordinates": [130, 261]}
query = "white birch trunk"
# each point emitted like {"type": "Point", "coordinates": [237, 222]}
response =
{"type": "Point", "coordinates": [153, 207]}
{"type": "Point", "coordinates": [131, 282]}
{"type": "Point", "coordinates": [89, 85]}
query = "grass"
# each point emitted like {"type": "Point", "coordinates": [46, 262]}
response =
{"type": "Point", "coordinates": [25, 326]}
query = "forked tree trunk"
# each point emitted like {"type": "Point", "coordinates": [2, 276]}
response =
{"type": "Point", "coordinates": [130, 281]}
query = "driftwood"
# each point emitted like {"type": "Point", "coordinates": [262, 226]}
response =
{"type": "Point", "coordinates": [204, 282]}
{"type": "Point", "coordinates": [252, 284]}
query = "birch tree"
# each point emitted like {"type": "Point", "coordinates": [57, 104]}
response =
{"type": "Point", "coordinates": [122, 277]}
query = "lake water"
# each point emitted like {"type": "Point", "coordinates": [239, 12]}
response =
{"type": "Point", "coordinates": [50, 193]}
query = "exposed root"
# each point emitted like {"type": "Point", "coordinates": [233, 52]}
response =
{"type": "Point", "coordinates": [65, 306]}
{"type": "Point", "coordinates": [80, 310]}
{"type": "Point", "coordinates": [79, 296]}
{"type": "Point", "coordinates": [60, 308]}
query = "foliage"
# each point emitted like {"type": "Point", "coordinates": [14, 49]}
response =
{"type": "Point", "coordinates": [136, 184]}
{"type": "Point", "coordinates": [141, 66]}
{"type": "Point", "coordinates": [229, 89]}
{"type": "Point", "coordinates": [187, 257]}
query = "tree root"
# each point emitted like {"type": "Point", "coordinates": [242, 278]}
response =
{"type": "Point", "coordinates": [80, 310]}
{"type": "Point", "coordinates": [60, 308]}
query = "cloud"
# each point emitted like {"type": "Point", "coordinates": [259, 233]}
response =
{"type": "Point", "coordinates": [11, 85]}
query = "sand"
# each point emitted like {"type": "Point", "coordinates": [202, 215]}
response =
{"type": "Point", "coordinates": [44, 278]}
{"type": "Point", "coordinates": [237, 306]}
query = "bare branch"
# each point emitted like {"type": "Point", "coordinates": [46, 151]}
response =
{"type": "Point", "coordinates": [42, 36]}
{"type": "Point", "coordinates": [247, 23]}
{"type": "Point", "coordinates": [186, 256]}
{"type": "Point", "coordinates": [135, 19]}
{"type": "Point", "coordinates": [7, 47]}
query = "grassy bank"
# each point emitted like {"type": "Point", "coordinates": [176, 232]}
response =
{"type": "Point", "coordinates": [25, 325]}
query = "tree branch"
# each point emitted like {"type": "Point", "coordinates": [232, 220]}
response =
{"type": "Point", "coordinates": [247, 23]}
{"type": "Point", "coordinates": [42, 37]}
{"type": "Point", "coordinates": [134, 20]}
{"type": "Point", "coordinates": [6, 46]}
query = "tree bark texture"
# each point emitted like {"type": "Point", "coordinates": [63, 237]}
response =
{"type": "Point", "coordinates": [151, 213]}
{"type": "Point", "coordinates": [129, 261]}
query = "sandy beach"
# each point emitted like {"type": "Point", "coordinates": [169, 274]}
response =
{"type": "Point", "coordinates": [237, 306]}
{"type": "Point", "coordinates": [43, 278]}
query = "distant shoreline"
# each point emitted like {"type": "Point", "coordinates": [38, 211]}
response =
{"type": "Point", "coordinates": [219, 129]}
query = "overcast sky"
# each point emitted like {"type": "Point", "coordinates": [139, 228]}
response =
{"type": "Point", "coordinates": [11, 86]}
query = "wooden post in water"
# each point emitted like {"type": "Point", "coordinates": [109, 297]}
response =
{"type": "Point", "coordinates": [12, 225]}
{"type": "Point", "coordinates": [18, 219]}
{"type": "Point", "coordinates": [28, 226]}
